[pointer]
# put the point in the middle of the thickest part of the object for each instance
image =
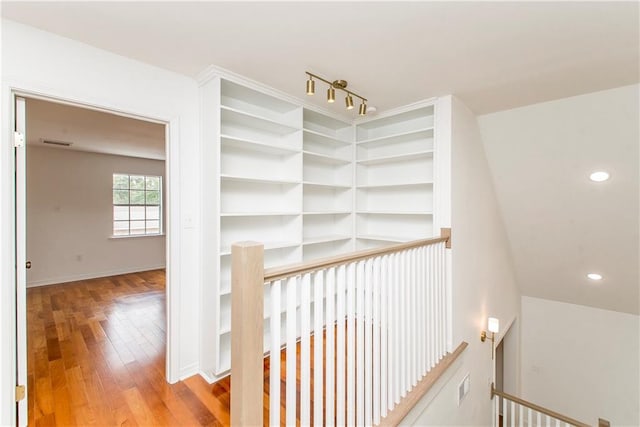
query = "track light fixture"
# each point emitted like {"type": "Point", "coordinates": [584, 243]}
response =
{"type": "Point", "coordinates": [363, 109]}
{"type": "Point", "coordinates": [311, 86]}
{"type": "Point", "coordinates": [349, 101]}
{"type": "Point", "coordinates": [331, 92]}
{"type": "Point", "coordinates": [331, 95]}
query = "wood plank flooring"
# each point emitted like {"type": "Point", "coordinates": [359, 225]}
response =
{"type": "Point", "coordinates": [96, 356]}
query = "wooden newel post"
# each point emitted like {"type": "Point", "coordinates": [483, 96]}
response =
{"type": "Point", "coordinates": [247, 299]}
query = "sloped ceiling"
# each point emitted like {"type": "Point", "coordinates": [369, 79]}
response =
{"type": "Point", "coordinates": [561, 225]}
{"type": "Point", "coordinates": [492, 55]}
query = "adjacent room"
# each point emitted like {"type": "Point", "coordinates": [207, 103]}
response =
{"type": "Point", "coordinates": [96, 251]}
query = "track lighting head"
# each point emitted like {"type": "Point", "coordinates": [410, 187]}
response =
{"type": "Point", "coordinates": [349, 101]}
{"type": "Point", "coordinates": [311, 86]}
{"type": "Point", "coordinates": [331, 92]}
{"type": "Point", "coordinates": [331, 95]}
{"type": "Point", "coordinates": [363, 109]}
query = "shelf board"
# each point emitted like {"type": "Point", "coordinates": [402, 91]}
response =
{"type": "Point", "coordinates": [402, 184]}
{"type": "Point", "coordinates": [395, 135]}
{"type": "Point", "coordinates": [381, 238]}
{"type": "Point", "coordinates": [393, 213]}
{"type": "Point", "coordinates": [327, 213]}
{"type": "Point", "coordinates": [324, 239]}
{"type": "Point", "coordinates": [241, 214]}
{"type": "Point", "coordinates": [396, 157]}
{"type": "Point", "coordinates": [258, 145]}
{"type": "Point", "coordinates": [258, 180]}
{"type": "Point", "coordinates": [325, 137]}
{"type": "Point", "coordinates": [226, 251]}
{"type": "Point", "coordinates": [326, 159]}
{"type": "Point", "coordinates": [322, 184]}
{"type": "Point", "coordinates": [245, 119]}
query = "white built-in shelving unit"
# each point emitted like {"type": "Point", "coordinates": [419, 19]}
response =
{"type": "Point", "coordinates": [306, 183]}
{"type": "Point", "coordinates": [328, 185]}
{"type": "Point", "coordinates": [395, 178]}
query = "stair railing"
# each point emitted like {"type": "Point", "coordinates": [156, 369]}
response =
{"type": "Point", "coordinates": [358, 333]}
{"type": "Point", "coordinates": [519, 412]}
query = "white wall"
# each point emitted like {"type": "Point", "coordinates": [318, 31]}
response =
{"type": "Point", "coordinates": [581, 361]}
{"type": "Point", "coordinates": [70, 217]}
{"type": "Point", "coordinates": [560, 224]}
{"type": "Point", "coordinates": [38, 62]}
{"type": "Point", "coordinates": [483, 280]}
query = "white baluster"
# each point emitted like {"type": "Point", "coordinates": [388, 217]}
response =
{"type": "Point", "coordinates": [539, 419]}
{"type": "Point", "coordinates": [274, 358]}
{"type": "Point", "coordinates": [412, 308]}
{"type": "Point", "coordinates": [360, 279]}
{"type": "Point", "coordinates": [521, 417]}
{"type": "Point", "coordinates": [431, 306]}
{"type": "Point", "coordinates": [421, 311]}
{"type": "Point", "coordinates": [505, 412]}
{"type": "Point", "coordinates": [318, 348]}
{"type": "Point", "coordinates": [392, 365]}
{"type": "Point", "coordinates": [305, 350]}
{"type": "Point", "coordinates": [384, 310]}
{"type": "Point", "coordinates": [512, 414]}
{"type": "Point", "coordinates": [377, 386]}
{"type": "Point", "coordinates": [403, 338]}
{"type": "Point", "coordinates": [351, 344]}
{"type": "Point", "coordinates": [529, 417]}
{"type": "Point", "coordinates": [368, 342]}
{"type": "Point", "coordinates": [330, 345]}
{"type": "Point", "coordinates": [290, 407]}
{"type": "Point", "coordinates": [341, 348]}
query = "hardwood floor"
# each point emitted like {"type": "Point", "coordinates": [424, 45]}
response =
{"type": "Point", "coordinates": [96, 356]}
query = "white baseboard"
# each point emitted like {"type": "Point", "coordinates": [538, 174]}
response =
{"type": "Point", "coordinates": [210, 377]}
{"type": "Point", "coordinates": [188, 371]}
{"type": "Point", "coordinates": [86, 276]}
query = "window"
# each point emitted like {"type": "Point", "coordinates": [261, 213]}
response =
{"type": "Point", "coordinates": [137, 205]}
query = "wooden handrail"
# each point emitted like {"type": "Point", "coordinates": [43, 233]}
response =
{"type": "Point", "coordinates": [282, 272]}
{"type": "Point", "coordinates": [537, 408]}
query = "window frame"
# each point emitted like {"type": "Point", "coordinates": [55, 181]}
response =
{"type": "Point", "coordinates": [129, 205]}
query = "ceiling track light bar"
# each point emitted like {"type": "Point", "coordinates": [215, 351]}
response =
{"type": "Point", "coordinates": [331, 92]}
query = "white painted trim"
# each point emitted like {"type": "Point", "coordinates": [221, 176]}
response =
{"type": "Point", "coordinates": [504, 330]}
{"type": "Point", "coordinates": [87, 276]}
{"type": "Point", "coordinates": [188, 371]}
{"type": "Point", "coordinates": [172, 181]}
{"type": "Point", "coordinates": [210, 377]}
{"type": "Point", "coordinates": [7, 263]}
{"type": "Point", "coordinates": [395, 111]}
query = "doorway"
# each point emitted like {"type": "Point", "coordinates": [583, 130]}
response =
{"type": "Point", "coordinates": [59, 151]}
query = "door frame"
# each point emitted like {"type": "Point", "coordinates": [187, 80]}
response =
{"type": "Point", "coordinates": [14, 358]}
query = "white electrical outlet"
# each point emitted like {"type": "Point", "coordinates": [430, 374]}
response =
{"type": "Point", "coordinates": [463, 389]}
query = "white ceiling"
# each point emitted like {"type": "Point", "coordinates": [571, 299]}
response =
{"type": "Point", "coordinates": [562, 226]}
{"type": "Point", "coordinates": [95, 131]}
{"type": "Point", "coordinates": [492, 55]}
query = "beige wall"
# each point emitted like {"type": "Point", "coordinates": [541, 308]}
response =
{"type": "Point", "coordinates": [69, 217]}
{"type": "Point", "coordinates": [581, 361]}
{"type": "Point", "coordinates": [483, 282]}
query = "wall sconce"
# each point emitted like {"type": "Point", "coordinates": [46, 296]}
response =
{"type": "Point", "coordinates": [331, 92]}
{"type": "Point", "coordinates": [493, 326]}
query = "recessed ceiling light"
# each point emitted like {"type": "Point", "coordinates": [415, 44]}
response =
{"type": "Point", "coordinates": [599, 176]}
{"type": "Point", "coordinates": [594, 276]}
